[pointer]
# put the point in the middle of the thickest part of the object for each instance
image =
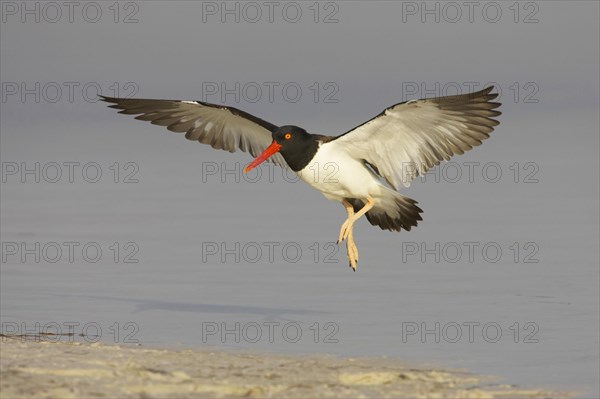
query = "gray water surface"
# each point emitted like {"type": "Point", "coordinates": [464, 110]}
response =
{"type": "Point", "coordinates": [194, 242]}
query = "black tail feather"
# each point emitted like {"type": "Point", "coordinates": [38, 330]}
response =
{"type": "Point", "coordinates": [405, 216]}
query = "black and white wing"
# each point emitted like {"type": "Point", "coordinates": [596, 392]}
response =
{"type": "Point", "coordinates": [223, 128]}
{"type": "Point", "coordinates": [407, 139]}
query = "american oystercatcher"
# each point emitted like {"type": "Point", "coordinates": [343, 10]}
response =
{"type": "Point", "coordinates": [362, 168]}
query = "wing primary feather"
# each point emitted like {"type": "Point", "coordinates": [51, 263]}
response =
{"type": "Point", "coordinates": [221, 127]}
{"type": "Point", "coordinates": [422, 133]}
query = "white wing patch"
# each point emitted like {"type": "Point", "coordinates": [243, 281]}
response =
{"type": "Point", "coordinates": [409, 138]}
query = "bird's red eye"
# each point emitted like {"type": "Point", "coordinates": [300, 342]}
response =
{"type": "Point", "coordinates": [287, 136]}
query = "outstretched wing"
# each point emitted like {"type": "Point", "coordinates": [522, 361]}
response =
{"type": "Point", "coordinates": [407, 139]}
{"type": "Point", "coordinates": [223, 128]}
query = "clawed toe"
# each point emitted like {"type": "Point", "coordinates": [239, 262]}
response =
{"type": "Point", "coordinates": [346, 234]}
{"type": "Point", "coordinates": [352, 252]}
{"type": "Point", "coordinates": [344, 231]}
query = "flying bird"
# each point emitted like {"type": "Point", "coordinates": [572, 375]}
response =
{"type": "Point", "coordinates": [363, 169]}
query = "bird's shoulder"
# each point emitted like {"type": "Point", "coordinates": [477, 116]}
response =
{"type": "Point", "coordinates": [324, 139]}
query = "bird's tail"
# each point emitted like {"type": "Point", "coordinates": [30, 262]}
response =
{"type": "Point", "coordinates": [392, 210]}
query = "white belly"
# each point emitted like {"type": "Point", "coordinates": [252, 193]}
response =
{"type": "Point", "coordinates": [337, 175]}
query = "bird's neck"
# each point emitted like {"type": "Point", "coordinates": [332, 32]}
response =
{"type": "Point", "coordinates": [299, 156]}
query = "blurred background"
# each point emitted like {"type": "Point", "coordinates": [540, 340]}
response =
{"type": "Point", "coordinates": [124, 232]}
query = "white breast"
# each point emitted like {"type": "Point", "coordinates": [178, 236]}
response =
{"type": "Point", "coordinates": [337, 175]}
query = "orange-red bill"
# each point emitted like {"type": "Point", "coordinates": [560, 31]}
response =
{"type": "Point", "coordinates": [270, 150]}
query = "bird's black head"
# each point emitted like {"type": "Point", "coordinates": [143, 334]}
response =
{"type": "Point", "coordinates": [291, 138]}
{"type": "Point", "coordinates": [295, 145]}
{"type": "Point", "coordinates": [280, 135]}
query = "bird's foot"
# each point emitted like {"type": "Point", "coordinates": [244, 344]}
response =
{"type": "Point", "coordinates": [352, 252]}
{"type": "Point", "coordinates": [346, 229]}
{"type": "Point", "coordinates": [343, 231]}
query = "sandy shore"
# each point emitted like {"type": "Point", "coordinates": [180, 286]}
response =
{"type": "Point", "coordinates": [75, 370]}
